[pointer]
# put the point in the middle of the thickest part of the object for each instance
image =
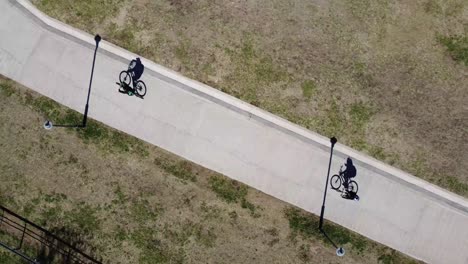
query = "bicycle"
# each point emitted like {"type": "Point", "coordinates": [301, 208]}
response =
{"type": "Point", "coordinates": [125, 78]}
{"type": "Point", "coordinates": [337, 181]}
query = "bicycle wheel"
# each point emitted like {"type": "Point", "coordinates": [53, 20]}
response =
{"type": "Point", "coordinates": [140, 88]}
{"type": "Point", "coordinates": [353, 187]}
{"type": "Point", "coordinates": [125, 77]}
{"type": "Point", "coordinates": [335, 182]}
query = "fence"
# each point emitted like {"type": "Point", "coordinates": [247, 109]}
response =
{"type": "Point", "coordinates": [36, 245]}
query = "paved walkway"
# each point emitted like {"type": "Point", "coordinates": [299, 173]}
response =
{"type": "Point", "coordinates": [224, 134]}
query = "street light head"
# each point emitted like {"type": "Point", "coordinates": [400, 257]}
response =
{"type": "Point", "coordinates": [333, 141]}
{"type": "Point", "coordinates": [97, 38]}
{"type": "Point", "coordinates": [340, 252]}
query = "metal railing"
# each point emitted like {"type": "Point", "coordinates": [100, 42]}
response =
{"type": "Point", "coordinates": [35, 244]}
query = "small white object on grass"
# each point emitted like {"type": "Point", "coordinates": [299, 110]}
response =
{"type": "Point", "coordinates": [48, 125]}
{"type": "Point", "coordinates": [340, 252]}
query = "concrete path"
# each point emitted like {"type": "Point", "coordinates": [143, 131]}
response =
{"type": "Point", "coordinates": [224, 134]}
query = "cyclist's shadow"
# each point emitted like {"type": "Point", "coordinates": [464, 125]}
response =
{"type": "Point", "coordinates": [342, 182]}
{"type": "Point", "coordinates": [129, 82]}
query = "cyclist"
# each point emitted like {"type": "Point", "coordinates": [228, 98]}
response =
{"type": "Point", "coordinates": [349, 172]}
{"type": "Point", "coordinates": [136, 69]}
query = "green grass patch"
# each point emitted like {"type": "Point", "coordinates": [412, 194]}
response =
{"type": "Point", "coordinates": [182, 51]}
{"type": "Point", "coordinates": [358, 143]}
{"type": "Point", "coordinates": [390, 256]}
{"type": "Point", "coordinates": [253, 67]}
{"type": "Point", "coordinates": [180, 169]}
{"type": "Point", "coordinates": [306, 225]}
{"type": "Point", "coordinates": [9, 258]}
{"type": "Point", "coordinates": [253, 209]}
{"type": "Point", "coordinates": [377, 152]}
{"type": "Point", "coordinates": [142, 235]}
{"type": "Point", "coordinates": [7, 89]}
{"type": "Point", "coordinates": [308, 89]}
{"type": "Point", "coordinates": [70, 117]}
{"type": "Point", "coordinates": [162, 255]}
{"type": "Point", "coordinates": [453, 184]}
{"type": "Point", "coordinates": [419, 166]}
{"type": "Point", "coordinates": [50, 215]}
{"type": "Point", "coordinates": [332, 123]}
{"type": "Point", "coordinates": [95, 132]}
{"type": "Point", "coordinates": [189, 231]}
{"type": "Point", "coordinates": [210, 211]}
{"type": "Point", "coordinates": [266, 71]}
{"type": "Point", "coordinates": [206, 237]}
{"type": "Point", "coordinates": [83, 218]}
{"type": "Point", "coordinates": [304, 253]}
{"type": "Point", "coordinates": [121, 197]}
{"type": "Point", "coordinates": [233, 191]}
{"type": "Point", "coordinates": [47, 107]}
{"type": "Point", "coordinates": [154, 250]}
{"type": "Point", "coordinates": [433, 7]}
{"type": "Point", "coordinates": [54, 197]}
{"type": "Point", "coordinates": [247, 50]}
{"type": "Point", "coordinates": [360, 113]}
{"type": "Point", "coordinates": [230, 191]}
{"type": "Point", "coordinates": [457, 47]}
{"type": "Point", "coordinates": [142, 211]}
{"type": "Point", "coordinates": [121, 234]}
{"type": "Point", "coordinates": [123, 37]}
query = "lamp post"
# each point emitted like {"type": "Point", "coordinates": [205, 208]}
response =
{"type": "Point", "coordinates": [339, 250]}
{"type": "Point", "coordinates": [48, 124]}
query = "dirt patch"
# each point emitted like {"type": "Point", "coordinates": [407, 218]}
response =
{"type": "Point", "coordinates": [131, 202]}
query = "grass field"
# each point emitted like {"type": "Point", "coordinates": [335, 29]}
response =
{"type": "Point", "coordinates": [385, 77]}
{"type": "Point", "coordinates": [131, 202]}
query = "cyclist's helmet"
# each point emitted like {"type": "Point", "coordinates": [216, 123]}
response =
{"type": "Point", "coordinates": [138, 60]}
{"type": "Point", "coordinates": [349, 161]}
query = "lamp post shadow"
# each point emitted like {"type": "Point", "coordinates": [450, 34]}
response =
{"type": "Point", "coordinates": [48, 125]}
{"type": "Point", "coordinates": [339, 250]}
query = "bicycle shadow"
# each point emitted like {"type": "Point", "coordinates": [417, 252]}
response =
{"type": "Point", "coordinates": [132, 76]}
{"type": "Point", "coordinates": [126, 89]}
{"type": "Point", "coordinates": [343, 181]}
{"type": "Point", "coordinates": [350, 196]}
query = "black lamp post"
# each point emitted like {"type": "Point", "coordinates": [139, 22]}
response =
{"type": "Point", "coordinates": [339, 250]}
{"type": "Point", "coordinates": [48, 124]}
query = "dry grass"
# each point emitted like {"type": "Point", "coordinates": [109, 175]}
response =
{"type": "Point", "coordinates": [372, 73]}
{"type": "Point", "coordinates": [130, 202]}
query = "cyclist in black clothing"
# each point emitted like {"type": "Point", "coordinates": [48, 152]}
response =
{"type": "Point", "coordinates": [136, 69]}
{"type": "Point", "coordinates": [349, 173]}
